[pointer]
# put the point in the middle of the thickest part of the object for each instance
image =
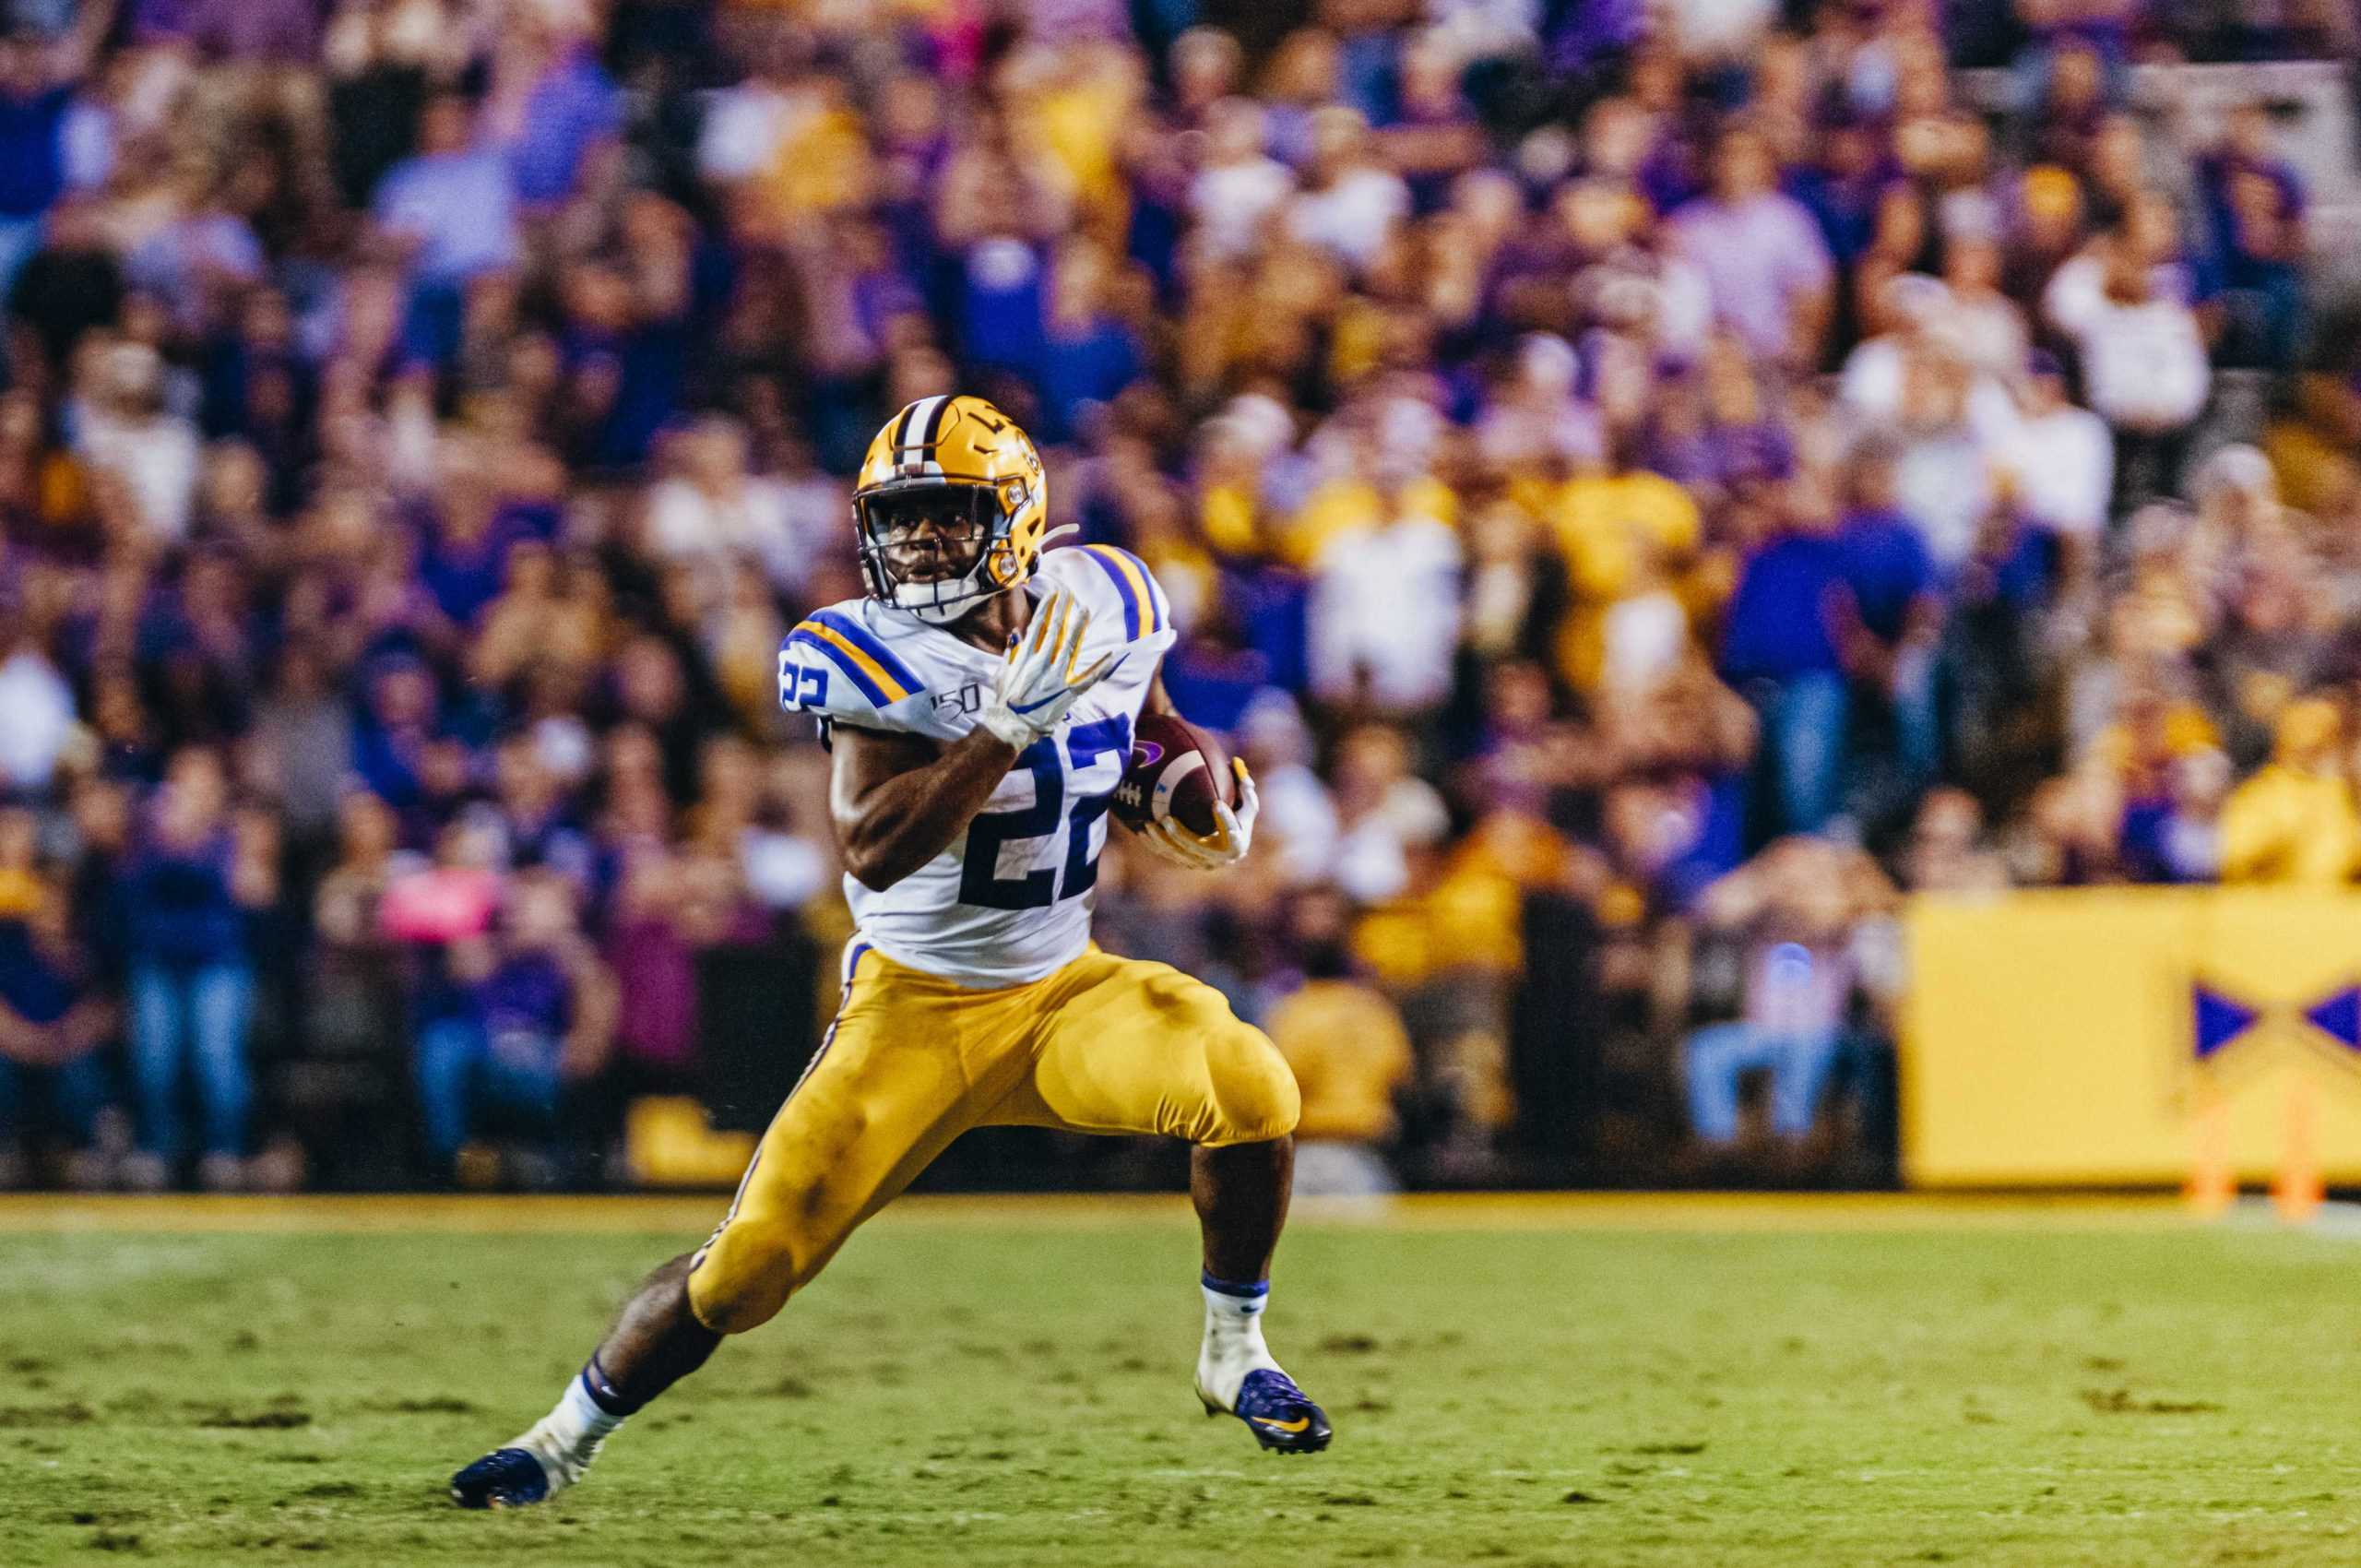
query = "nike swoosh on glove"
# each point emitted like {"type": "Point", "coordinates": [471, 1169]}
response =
{"type": "Point", "coordinates": [1038, 679]}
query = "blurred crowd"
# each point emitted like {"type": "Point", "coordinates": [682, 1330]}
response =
{"type": "Point", "coordinates": [1645, 486]}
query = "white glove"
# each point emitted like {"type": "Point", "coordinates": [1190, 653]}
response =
{"type": "Point", "coordinates": [1037, 680]}
{"type": "Point", "coordinates": [1225, 846]}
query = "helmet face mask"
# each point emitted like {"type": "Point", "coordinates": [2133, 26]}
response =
{"type": "Point", "coordinates": [923, 545]}
{"type": "Point", "coordinates": [950, 509]}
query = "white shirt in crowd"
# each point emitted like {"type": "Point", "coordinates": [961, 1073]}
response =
{"type": "Point", "coordinates": [2063, 462]}
{"type": "Point", "coordinates": [1353, 216]}
{"type": "Point", "coordinates": [2144, 366]}
{"type": "Point", "coordinates": [1229, 202]}
{"type": "Point", "coordinates": [1371, 861]}
{"type": "Point", "coordinates": [36, 719]}
{"type": "Point", "coordinates": [1871, 383]}
{"type": "Point", "coordinates": [1992, 332]}
{"type": "Point", "coordinates": [1296, 806]}
{"type": "Point", "coordinates": [157, 458]}
{"type": "Point", "coordinates": [1717, 28]}
{"type": "Point", "coordinates": [1385, 606]}
{"type": "Point", "coordinates": [1943, 480]}
{"type": "Point", "coordinates": [744, 127]}
{"type": "Point", "coordinates": [686, 522]}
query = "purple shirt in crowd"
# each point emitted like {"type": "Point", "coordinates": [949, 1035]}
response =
{"type": "Point", "coordinates": [282, 32]}
{"type": "Point", "coordinates": [179, 904]}
{"type": "Point", "coordinates": [1776, 627]}
{"type": "Point", "coordinates": [528, 997]}
{"type": "Point", "coordinates": [461, 206]}
{"type": "Point", "coordinates": [1757, 257]}
{"type": "Point", "coordinates": [573, 108]}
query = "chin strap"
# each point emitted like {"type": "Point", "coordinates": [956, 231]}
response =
{"type": "Point", "coordinates": [941, 613]}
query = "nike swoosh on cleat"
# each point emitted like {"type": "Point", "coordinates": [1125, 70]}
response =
{"type": "Point", "coordinates": [1295, 1425]}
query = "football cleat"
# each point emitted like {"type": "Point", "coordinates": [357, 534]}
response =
{"type": "Point", "coordinates": [1281, 1416]}
{"type": "Point", "coordinates": [529, 1470]}
{"type": "Point", "coordinates": [505, 1478]}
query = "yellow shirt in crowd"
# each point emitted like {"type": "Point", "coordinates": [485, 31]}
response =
{"type": "Point", "coordinates": [1343, 505]}
{"type": "Point", "coordinates": [1349, 1053]}
{"type": "Point", "coordinates": [2292, 826]}
{"type": "Point", "coordinates": [1604, 523]}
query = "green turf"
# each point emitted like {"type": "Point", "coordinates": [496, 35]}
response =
{"type": "Point", "coordinates": [983, 1393]}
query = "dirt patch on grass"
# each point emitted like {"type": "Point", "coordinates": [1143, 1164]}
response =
{"type": "Point", "coordinates": [254, 1420]}
{"type": "Point", "coordinates": [2123, 1402]}
{"type": "Point", "coordinates": [71, 1413]}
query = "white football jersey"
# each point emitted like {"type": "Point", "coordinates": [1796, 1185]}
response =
{"type": "Point", "coordinates": [1010, 900]}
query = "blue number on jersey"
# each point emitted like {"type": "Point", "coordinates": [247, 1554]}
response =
{"type": "Point", "coordinates": [980, 879]}
{"type": "Point", "coordinates": [801, 685]}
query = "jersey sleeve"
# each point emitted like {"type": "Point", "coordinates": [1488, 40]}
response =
{"type": "Point", "coordinates": [1118, 590]}
{"type": "Point", "coordinates": [835, 666]}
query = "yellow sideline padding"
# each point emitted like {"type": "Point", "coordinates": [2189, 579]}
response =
{"type": "Point", "coordinates": [2095, 1037]}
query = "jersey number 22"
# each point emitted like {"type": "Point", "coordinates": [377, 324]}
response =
{"type": "Point", "coordinates": [980, 879]}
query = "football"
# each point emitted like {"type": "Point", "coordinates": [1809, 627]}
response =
{"type": "Point", "coordinates": [1175, 771]}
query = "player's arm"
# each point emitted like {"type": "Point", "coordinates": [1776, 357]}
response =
{"type": "Point", "coordinates": [899, 800]}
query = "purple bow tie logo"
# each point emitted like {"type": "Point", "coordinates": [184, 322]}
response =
{"type": "Point", "coordinates": [2219, 1020]}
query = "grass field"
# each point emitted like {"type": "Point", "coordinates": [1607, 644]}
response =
{"type": "Point", "coordinates": [1601, 1384]}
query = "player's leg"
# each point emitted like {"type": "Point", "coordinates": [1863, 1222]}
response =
{"type": "Point", "coordinates": [1129, 1046]}
{"type": "Point", "coordinates": [1241, 1192]}
{"type": "Point", "coordinates": [885, 1094]}
{"type": "Point", "coordinates": [655, 1342]}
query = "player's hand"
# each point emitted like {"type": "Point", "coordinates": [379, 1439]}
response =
{"type": "Point", "coordinates": [1225, 846]}
{"type": "Point", "coordinates": [1041, 677]}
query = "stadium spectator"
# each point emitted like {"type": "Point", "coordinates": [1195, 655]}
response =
{"type": "Point", "coordinates": [2059, 458]}
{"type": "Point", "coordinates": [2126, 305]}
{"type": "Point", "coordinates": [37, 76]}
{"type": "Point", "coordinates": [450, 212]}
{"type": "Point", "coordinates": [2254, 207]}
{"type": "Point", "coordinates": [1790, 915]}
{"type": "Point", "coordinates": [52, 1018]}
{"type": "Point", "coordinates": [1946, 852]}
{"type": "Point", "coordinates": [191, 884]}
{"type": "Point", "coordinates": [1384, 613]}
{"type": "Point", "coordinates": [37, 718]}
{"type": "Point", "coordinates": [143, 457]}
{"type": "Point", "coordinates": [1783, 647]}
{"type": "Point", "coordinates": [1898, 610]}
{"type": "Point", "coordinates": [530, 1014]}
{"type": "Point", "coordinates": [2294, 821]}
{"type": "Point", "coordinates": [1350, 1052]}
{"type": "Point", "coordinates": [1766, 269]}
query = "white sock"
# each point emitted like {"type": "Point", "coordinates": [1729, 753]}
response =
{"type": "Point", "coordinates": [577, 1425]}
{"type": "Point", "coordinates": [1233, 1342]}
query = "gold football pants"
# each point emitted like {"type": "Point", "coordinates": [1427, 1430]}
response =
{"type": "Point", "coordinates": [1104, 1045]}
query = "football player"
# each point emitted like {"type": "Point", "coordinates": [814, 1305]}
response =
{"type": "Point", "coordinates": [978, 703]}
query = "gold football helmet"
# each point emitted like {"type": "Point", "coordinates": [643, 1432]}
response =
{"type": "Point", "coordinates": [945, 473]}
